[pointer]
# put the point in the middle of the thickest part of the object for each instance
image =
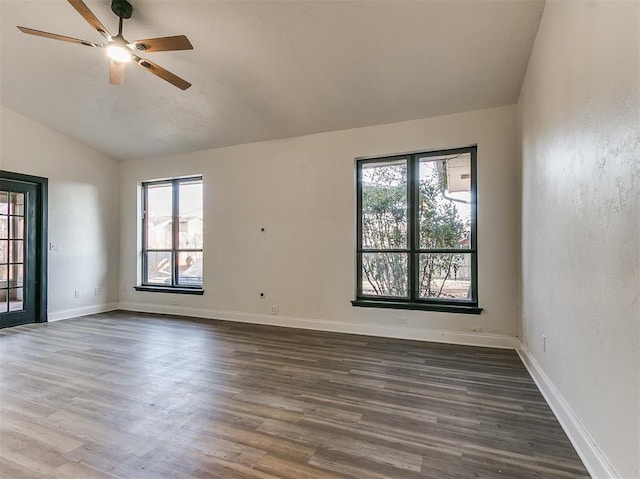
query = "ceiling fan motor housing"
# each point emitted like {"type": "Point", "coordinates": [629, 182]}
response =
{"type": "Point", "coordinates": [122, 8]}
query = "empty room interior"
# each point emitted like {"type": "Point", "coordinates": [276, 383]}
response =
{"type": "Point", "coordinates": [320, 239]}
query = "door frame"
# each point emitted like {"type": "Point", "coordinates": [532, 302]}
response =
{"type": "Point", "coordinates": [42, 185]}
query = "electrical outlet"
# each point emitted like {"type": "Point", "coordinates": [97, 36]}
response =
{"type": "Point", "coordinates": [98, 292]}
{"type": "Point", "coordinates": [401, 320]}
{"type": "Point", "coordinates": [77, 293]}
{"type": "Point", "coordinates": [53, 246]}
{"type": "Point", "coordinates": [275, 309]}
{"type": "Point", "coordinates": [544, 343]}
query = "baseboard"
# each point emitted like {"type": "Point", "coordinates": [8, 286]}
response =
{"type": "Point", "coordinates": [593, 458]}
{"type": "Point", "coordinates": [83, 311]}
{"type": "Point", "coordinates": [399, 332]}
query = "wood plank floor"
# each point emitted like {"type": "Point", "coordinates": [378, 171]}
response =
{"type": "Point", "coordinates": [135, 396]}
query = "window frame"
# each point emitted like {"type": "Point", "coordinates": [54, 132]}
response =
{"type": "Point", "coordinates": [413, 250]}
{"type": "Point", "coordinates": [175, 250]}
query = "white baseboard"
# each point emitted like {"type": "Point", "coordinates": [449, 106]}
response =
{"type": "Point", "coordinates": [593, 458]}
{"type": "Point", "coordinates": [83, 311]}
{"type": "Point", "coordinates": [398, 332]}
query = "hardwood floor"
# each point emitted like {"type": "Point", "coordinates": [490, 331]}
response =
{"type": "Point", "coordinates": [135, 396]}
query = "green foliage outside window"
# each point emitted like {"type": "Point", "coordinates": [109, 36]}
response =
{"type": "Point", "coordinates": [384, 219]}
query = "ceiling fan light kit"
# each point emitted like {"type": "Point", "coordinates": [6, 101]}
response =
{"type": "Point", "coordinates": [118, 53]}
{"type": "Point", "coordinates": [118, 49]}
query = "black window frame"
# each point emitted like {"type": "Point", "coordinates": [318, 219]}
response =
{"type": "Point", "coordinates": [175, 250]}
{"type": "Point", "coordinates": [413, 251]}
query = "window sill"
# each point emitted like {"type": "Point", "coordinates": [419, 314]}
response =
{"type": "Point", "coordinates": [443, 308]}
{"type": "Point", "coordinates": [162, 289]}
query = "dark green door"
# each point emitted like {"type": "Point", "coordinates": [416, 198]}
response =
{"type": "Point", "coordinates": [18, 252]}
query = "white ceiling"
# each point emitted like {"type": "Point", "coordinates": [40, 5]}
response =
{"type": "Point", "coordinates": [263, 69]}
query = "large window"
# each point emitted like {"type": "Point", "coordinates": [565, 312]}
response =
{"type": "Point", "coordinates": [172, 231]}
{"type": "Point", "coordinates": [417, 231]}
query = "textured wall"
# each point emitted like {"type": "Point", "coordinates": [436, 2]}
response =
{"type": "Point", "coordinates": [580, 139]}
{"type": "Point", "coordinates": [302, 190]}
{"type": "Point", "coordinates": [83, 212]}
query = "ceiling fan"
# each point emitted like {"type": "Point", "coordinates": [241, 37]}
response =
{"type": "Point", "coordinates": [119, 50]}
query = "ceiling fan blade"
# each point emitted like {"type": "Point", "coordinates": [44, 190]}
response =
{"type": "Point", "coordinates": [90, 17]}
{"type": "Point", "coordinates": [163, 44]}
{"type": "Point", "coordinates": [116, 73]}
{"type": "Point", "coordinates": [162, 73]}
{"type": "Point", "coordinates": [55, 36]}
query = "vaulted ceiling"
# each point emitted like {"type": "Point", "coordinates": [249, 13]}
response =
{"type": "Point", "coordinates": [263, 69]}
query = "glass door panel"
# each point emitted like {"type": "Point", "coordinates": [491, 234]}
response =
{"type": "Point", "coordinates": [17, 252]}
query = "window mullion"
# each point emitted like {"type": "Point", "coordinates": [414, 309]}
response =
{"type": "Point", "coordinates": [175, 229]}
{"type": "Point", "coordinates": [411, 226]}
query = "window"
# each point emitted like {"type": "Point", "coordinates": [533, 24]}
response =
{"type": "Point", "coordinates": [416, 231]}
{"type": "Point", "coordinates": [172, 231]}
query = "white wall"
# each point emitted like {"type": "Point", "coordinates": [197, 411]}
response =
{"type": "Point", "coordinates": [580, 136]}
{"type": "Point", "coordinates": [83, 212]}
{"type": "Point", "coordinates": [302, 190]}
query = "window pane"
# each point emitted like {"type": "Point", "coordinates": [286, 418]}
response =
{"type": "Point", "coordinates": [17, 227]}
{"type": "Point", "coordinates": [4, 227]}
{"type": "Point", "coordinates": [445, 201]}
{"type": "Point", "coordinates": [16, 272]}
{"type": "Point", "coordinates": [445, 276]}
{"type": "Point", "coordinates": [4, 203]}
{"type": "Point", "coordinates": [190, 269]}
{"type": "Point", "coordinates": [159, 216]}
{"type": "Point", "coordinates": [384, 274]}
{"type": "Point", "coordinates": [16, 299]}
{"type": "Point", "coordinates": [4, 296]}
{"type": "Point", "coordinates": [190, 211]}
{"type": "Point", "coordinates": [159, 267]}
{"type": "Point", "coordinates": [4, 275]}
{"type": "Point", "coordinates": [17, 204]}
{"type": "Point", "coordinates": [4, 251]}
{"type": "Point", "coordinates": [384, 205]}
{"type": "Point", "coordinates": [16, 251]}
